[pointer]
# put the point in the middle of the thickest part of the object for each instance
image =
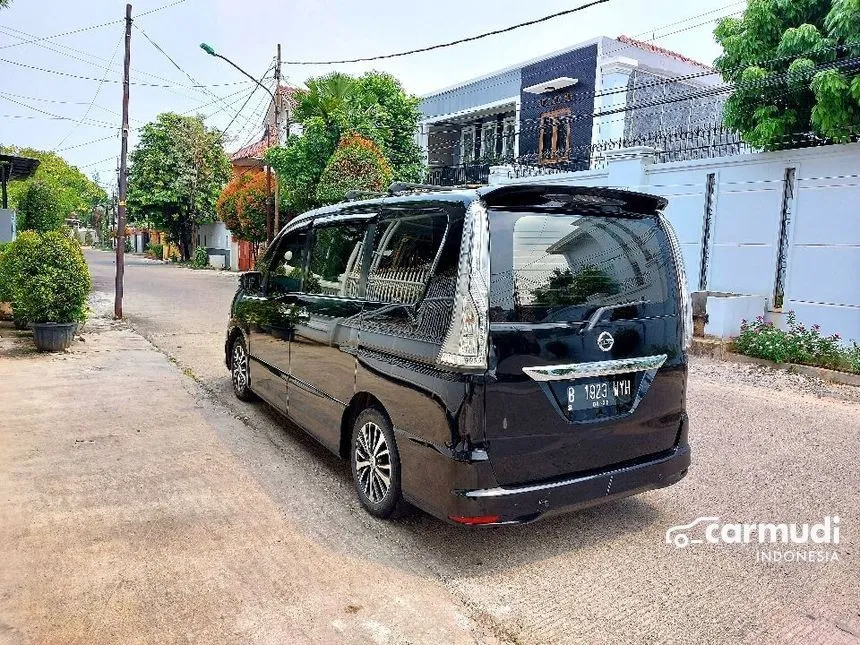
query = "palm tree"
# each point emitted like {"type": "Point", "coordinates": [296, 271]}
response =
{"type": "Point", "coordinates": [326, 97]}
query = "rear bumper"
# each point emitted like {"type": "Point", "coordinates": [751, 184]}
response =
{"type": "Point", "coordinates": [526, 503]}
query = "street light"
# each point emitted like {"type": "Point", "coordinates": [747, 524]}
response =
{"type": "Point", "coordinates": [272, 206]}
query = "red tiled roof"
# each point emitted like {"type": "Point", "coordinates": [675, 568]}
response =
{"type": "Point", "coordinates": [253, 150]}
{"type": "Point", "coordinates": [660, 50]}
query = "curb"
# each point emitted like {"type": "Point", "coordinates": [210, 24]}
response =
{"type": "Point", "coordinates": [719, 349]}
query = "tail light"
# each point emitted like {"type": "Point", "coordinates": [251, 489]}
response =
{"type": "Point", "coordinates": [465, 343]}
{"type": "Point", "coordinates": [686, 304]}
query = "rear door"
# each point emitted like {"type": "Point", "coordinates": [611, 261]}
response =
{"type": "Point", "coordinates": [586, 361]}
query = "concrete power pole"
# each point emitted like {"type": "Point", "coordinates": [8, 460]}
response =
{"type": "Point", "coordinates": [123, 173]}
{"type": "Point", "coordinates": [277, 132]}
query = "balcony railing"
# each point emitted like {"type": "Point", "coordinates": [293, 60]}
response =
{"type": "Point", "coordinates": [471, 173]}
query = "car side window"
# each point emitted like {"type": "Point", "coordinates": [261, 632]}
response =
{"type": "Point", "coordinates": [335, 259]}
{"type": "Point", "coordinates": [287, 270]}
{"type": "Point", "coordinates": [403, 256]}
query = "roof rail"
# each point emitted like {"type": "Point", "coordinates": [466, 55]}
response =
{"type": "Point", "coordinates": [355, 195]}
{"type": "Point", "coordinates": [399, 187]}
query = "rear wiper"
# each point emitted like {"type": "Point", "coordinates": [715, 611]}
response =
{"type": "Point", "coordinates": [597, 315]}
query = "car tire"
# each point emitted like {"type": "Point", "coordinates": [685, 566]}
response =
{"type": "Point", "coordinates": [375, 465]}
{"type": "Point", "coordinates": [240, 374]}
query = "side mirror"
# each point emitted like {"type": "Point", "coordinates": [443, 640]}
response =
{"type": "Point", "coordinates": [251, 281]}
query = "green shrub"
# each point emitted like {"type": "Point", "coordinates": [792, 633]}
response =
{"type": "Point", "coordinates": [357, 164]}
{"type": "Point", "coordinates": [201, 257]}
{"type": "Point", "coordinates": [156, 251]}
{"type": "Point", "coordinates": [39, 208]}
{"type": "Point", "coordinates": [129, 245]}
{"type": "Point", "coordinates": [50, 281]}
{"type": "Point", "coordinates": [4, 274]}
{"type": "Point", "coordinates": [797, 344]}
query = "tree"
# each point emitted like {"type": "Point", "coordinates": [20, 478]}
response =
{"type": "Point", "coordinates": [373, 106]}
{"type": "Point", "coordinates": [39, 208]}
{"type": "Point", "coordinates": [794, 64]}
{"type": "Point", "coordinates": [357, 164]}
{"type": "Point", "coordinates": [76, 194]}
{"type": "Point", "coordinates": [242, 207]}
{"type": "Point", "coordinates": [301, 163]}
{"type": "Point", "coordinates": [177, 171]}
{"type": "Point", "coordinates": [394, 115]}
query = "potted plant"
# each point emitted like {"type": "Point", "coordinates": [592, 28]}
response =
{"type": "Point", "coordinates": [49, 287]}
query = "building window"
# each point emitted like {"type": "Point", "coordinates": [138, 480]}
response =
{"type": "Point", "coordinates": [554, 136]}
{"type": "Point", "coordinates": [509, 138]}
{"type": "Point", "coordinates": [467, 144]}
{"type": "Point", "coordinates": [489, 134]}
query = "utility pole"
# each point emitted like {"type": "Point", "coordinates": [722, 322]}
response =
{"type": "Point", "coordinates": [277, 131]}
{"type": "Point", "coordinates": [123, 172]}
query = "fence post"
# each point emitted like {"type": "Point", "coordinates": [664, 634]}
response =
{"type": "Point", "coordinates": [627, 166]}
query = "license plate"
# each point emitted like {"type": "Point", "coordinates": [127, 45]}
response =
{"type": "Point", "coordinates": [599, 394]}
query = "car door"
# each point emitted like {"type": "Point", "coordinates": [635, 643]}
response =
{"type": "Point", "coordinates": [325, 335]}
{"type": "Point", "coordinates": [271, 318]}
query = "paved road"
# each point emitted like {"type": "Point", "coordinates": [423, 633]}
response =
{"type": "Point", "coordinates": [768, 447]}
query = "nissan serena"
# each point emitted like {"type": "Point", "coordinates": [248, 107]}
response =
{"type": "Point", "coordinates": [491, 356]}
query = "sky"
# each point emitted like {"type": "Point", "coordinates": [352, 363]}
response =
{"type": "Point", "coordinates": [80, 118]}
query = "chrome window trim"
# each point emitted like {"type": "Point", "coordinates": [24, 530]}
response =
{"type": "Point", "coordinates": [597, 368]}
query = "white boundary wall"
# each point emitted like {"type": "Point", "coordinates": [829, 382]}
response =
{"type": "Point", "coordinates": [822, 277]}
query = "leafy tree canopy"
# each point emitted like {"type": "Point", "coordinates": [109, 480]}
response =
{"type": "Point", "coordinates": [357, 164]}
{"type": "Point", "coordinates": [373, 106]}
{"type": "Point", "coordinates": [795, 67]}
{"type": "Point", "coordinates": [76, 194]}
{"type": "Point", "coordinates": [39, 208]}
{"type": "Point", "coordinates": [177, 171]}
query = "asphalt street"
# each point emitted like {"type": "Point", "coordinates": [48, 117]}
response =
{"type": "Point", "coordinates": [767, 447]}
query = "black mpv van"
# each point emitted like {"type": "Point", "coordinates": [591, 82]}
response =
{"type": "Point", "coordinates": [491, 356]}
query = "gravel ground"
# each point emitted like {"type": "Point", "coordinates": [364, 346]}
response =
{"type": "Point", "coordinates": [742, 374]}
{"type": "Point", "coordinates": [768, 446]}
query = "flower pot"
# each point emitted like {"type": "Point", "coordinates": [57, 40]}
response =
{"type": "Point", "coordinates": [54, 337]}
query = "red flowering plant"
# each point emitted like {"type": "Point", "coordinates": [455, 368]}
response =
{"type": "Point", "coordinates": [242, 207]}
{"type": "Point", "coordinates": [796, 344]}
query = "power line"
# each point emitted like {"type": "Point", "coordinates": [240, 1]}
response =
{"type": "Point", "coordinates": [57, 102]}
{"type": "Point", "coordinates": [90, 27]}
{"type": "Point", "coordinates": [87, 143]}
{"type": "Point", "coordinates": [256, 87]}
{"type": "Point", "coordinates": [78, 51]}
{"type": "Point", "coordinates": [193, 80]}
{"type": "Point", "coordinates": [95, 96]}
{"type": "Point", "coordinates": [60, 117]}
{"type": "Point", "coordinates": [90, 78]}
{"type": "Point", "coordinates": [448, 44]}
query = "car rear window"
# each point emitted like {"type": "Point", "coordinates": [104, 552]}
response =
{"type": "Point", "coordinates": [562, 267]}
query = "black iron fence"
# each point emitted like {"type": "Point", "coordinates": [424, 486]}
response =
{"type": "Point", "coordinates": [705, 142]}
{"type": "Point", "coordinates": [472, 173]}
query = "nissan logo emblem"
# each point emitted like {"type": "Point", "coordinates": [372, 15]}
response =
{"type": "Point", "coordinates": [605, 341]}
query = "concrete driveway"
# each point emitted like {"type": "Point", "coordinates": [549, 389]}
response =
{"type": "Point", "coordinates": [768, 447]}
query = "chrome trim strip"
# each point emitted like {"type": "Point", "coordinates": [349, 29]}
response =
{"type": "Point", "coordinates": [597, 368]}
{"type": "Point", "coordinates": [500, 491]}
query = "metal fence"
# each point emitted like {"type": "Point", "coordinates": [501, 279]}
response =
{"type": "Point", "coordinates": [706, 142]}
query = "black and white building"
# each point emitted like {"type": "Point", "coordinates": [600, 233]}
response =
{"type": "Point", "coordinates": [551, 111]}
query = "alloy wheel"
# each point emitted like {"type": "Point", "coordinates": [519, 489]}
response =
{"type": "Point", "coordinates": [373, 462]}
{"type": "Point", "coordinates": [240, 367]}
